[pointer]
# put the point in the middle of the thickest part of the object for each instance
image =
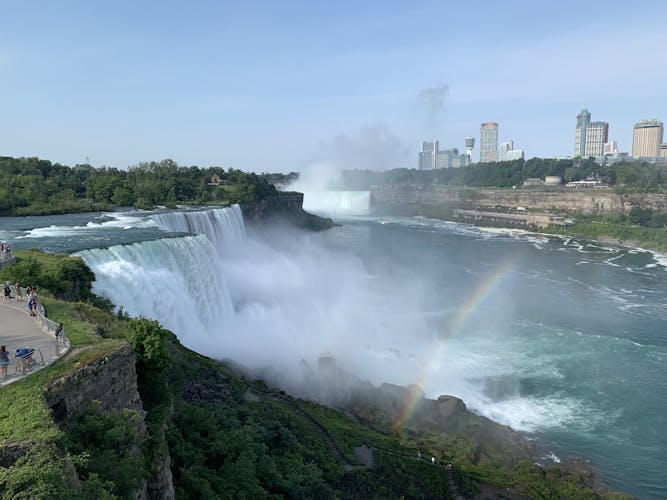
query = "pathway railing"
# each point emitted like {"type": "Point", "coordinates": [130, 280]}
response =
{"type": "Point", "coordinates": [44, 354]}
{"type": "Point", "coordinates": [6, 257]}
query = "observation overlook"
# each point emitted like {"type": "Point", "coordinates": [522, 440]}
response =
{"type": "Point", "coordinates": [18, 329]}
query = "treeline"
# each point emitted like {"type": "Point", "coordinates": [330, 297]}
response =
{"type": "Point", "coordinates": [644, 177]}
{"type": "Point", "coordinates": [32, 186]}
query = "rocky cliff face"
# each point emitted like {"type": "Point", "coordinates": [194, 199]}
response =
{"type": "Point", "coordinates": [111, 380]}
{"type": "Point", "coordinates": [566, 200]}
{"type": "Point", "coordinates": [286, 206]}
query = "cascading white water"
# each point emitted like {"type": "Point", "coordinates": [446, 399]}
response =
{"type": "Point", "coordinates": [223, 227]}
{"type": "Point", "coordinates": [175, 280]}
{"type": "Point", "coordinates": [337, 202]}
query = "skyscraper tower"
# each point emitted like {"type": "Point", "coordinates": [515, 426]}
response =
{"type": "Point", "coordinates": [488, 142]}
{"type": "Point", "coordinates": [583, 120]}
{"type": "Point", "coordinates": [646, 138]}
{"type": "Point", "coordinates": [589, 137]}
{"type": "Point", "coordinates": [470, 145]}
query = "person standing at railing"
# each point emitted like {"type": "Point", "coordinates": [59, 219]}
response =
{"type": "Point", "coordinates": [4, 361]}
{"type": "Point", "coordinates": [32, 304]}
{"type": "Point", "coordinates": [59, 332]}
{"type": "Point", "coordinates": [18, 292]}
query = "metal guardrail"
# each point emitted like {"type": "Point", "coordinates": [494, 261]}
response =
{"type": "Point", "coordinates": [6, 257]}
{"type": "Point", "coordinates": [44, 354]}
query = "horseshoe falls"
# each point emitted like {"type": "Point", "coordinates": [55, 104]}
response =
{"type": "Point", "coordinates": [337, 202]}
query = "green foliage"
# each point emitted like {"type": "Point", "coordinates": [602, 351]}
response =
{"type": "Point", "coordinates": [105, 449]}
{"type": "Point", "coordinates": [623, 230]}
{"type": "Point", "coordinates": [246, 450]}
{"type": "Point", "coordinates": [41, 473]}
{"type": "Point", "coordinates": [632, 177]}
{"type": "Point", "coordinates": [63, 276]}
{"type": "Point", "coordinates": [148, 340]}
{"type": "Point", "coordinates": [395, 477]}
{"type": "Point", "coordinates": [30, 186]}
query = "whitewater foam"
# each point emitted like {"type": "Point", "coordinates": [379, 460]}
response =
{"type": "Point", "coordinates": [173, 280]}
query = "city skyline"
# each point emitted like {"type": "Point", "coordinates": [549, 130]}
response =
{"type": "Point", "coordinates": [268, 87]}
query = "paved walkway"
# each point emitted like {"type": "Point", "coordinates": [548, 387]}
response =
{"type": "Point", "coordinates": [18, 329]}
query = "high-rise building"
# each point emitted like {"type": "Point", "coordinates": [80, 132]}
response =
{"type": "Point", "coordinates": [583, 119]}
{"type": "Point", "coordinates": [504, 148]}
{"type": "Point", "coordinates": [428, 155]}
{"type": "Point", "coordinates": [597, 133]}
{"type": "Point", "coordinates": [488, 142]}
{"type": "Point", "coordinates": [662, 150]}
{"type": "Point", "coordinates": [450, 158]}
{"type": "Point", "coordinates": [646, 138]}
{"type": "Point", "coordinates": [589, 137]}
{"type": "Point", "coordinates": [506, 152]}
{"type": "Point", "coordinates": [470, 145]}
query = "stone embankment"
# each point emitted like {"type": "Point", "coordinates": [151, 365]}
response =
{"type": "Point", "coordinates": [591, 201]}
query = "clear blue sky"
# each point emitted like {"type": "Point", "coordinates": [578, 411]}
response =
{"type": "Point", "coordinates": [277, 86]}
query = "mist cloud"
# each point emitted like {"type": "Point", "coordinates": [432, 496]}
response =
{"type": "Point", "coordinates": [434, 99]}
{"type": "Point", "coordinates": [371, 147]}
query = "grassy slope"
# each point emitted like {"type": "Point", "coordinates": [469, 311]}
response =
{"type": "Point", "coordinates": [652, 238]}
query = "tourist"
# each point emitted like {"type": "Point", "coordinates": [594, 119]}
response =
{"type": "Point", "coordinates": [59, 331]}
{"type": "Point", "coordinates": [4, 361]}
{"type": "Point", "coordinates": [32, 304]}
{"type": "Point", "coordinates": [17, 290]}
{"type": "Point", "coordinates": [24, 359]}
{"type": "Point", "coordinates": [8, 293]}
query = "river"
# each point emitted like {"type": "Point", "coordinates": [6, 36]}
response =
{"type": "Point", "coordinates": [564, 340]}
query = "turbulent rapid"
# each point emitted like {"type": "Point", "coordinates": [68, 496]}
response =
{"type": "Point", "coordinates": [559, 338]}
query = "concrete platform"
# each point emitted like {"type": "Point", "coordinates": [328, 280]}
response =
{"type": "Point", "coordinates": [19, 329]}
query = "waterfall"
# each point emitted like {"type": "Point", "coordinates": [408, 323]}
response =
{"type": "Point", "coordinates": [177, 281]}
{"type": "Point", "coordinates": [223, 227]}
{"type": "Point", "coordinates": [337, 202]}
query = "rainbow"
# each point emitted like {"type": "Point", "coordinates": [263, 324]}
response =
{"type": "Point", "coordinates": [465, 311]}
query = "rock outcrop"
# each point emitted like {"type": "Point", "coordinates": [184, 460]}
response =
{"type": "Point", "coordinates": [111, 381]}
{"type": "Point", "coordinates": [287, 206]}
{"type": "Point", "coordinates": [407, 407]}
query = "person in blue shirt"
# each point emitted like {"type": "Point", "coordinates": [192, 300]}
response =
{"type": "Point", "coordinates": [24, 358]}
